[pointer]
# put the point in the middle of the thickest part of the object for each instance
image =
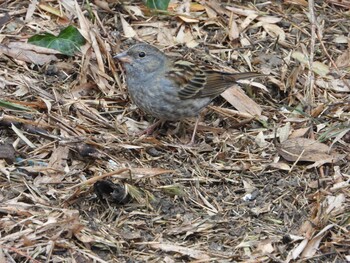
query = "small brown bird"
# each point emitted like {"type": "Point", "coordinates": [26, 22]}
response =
{"type": "Point", "coordinates": [172, 89]}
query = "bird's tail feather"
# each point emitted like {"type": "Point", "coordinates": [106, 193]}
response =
{"type": "Point", "coordinates": [245, 75]}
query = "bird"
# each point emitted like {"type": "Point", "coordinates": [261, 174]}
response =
{"type": "Point", "coordinates": [172, 89]}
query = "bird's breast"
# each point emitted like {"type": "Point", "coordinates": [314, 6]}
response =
{"type": "Point", "coordinates": [160, 99]}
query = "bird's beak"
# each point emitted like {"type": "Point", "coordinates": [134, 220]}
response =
{"type": "Point", "coordinates": [123, 57]}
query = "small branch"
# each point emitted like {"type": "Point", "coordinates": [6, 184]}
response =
{"type": "Point", "coordinates": [311, 77]}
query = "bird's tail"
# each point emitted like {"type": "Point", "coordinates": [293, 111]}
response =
{"type": "Point", "coordinates": [244, 75]}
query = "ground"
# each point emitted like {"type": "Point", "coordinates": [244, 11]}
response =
{"type": "Point", "coordinates": [267, 179]}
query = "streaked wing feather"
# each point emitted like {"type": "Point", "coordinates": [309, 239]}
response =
{"type": "Point", "coordinates": [199, 82]}
{"type": "Point", "coordinates": [190, 78]}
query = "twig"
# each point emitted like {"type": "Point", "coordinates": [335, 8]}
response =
{"type": "Point", "coordinates": [311, 77]}
{"type": "Point", "coordinates": [96, 178]}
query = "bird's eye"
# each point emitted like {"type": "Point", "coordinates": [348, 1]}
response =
{"type": "Point", "coordinates": [142, 54]}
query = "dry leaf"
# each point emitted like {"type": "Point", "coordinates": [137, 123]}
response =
{"type": "Point", "coordinates": [30, 10]}
{"type": "Point", "coordinates": [296, 2]}
{"type": "Point", "coordinates": [193, 253]}
{"type": "Point", "coordinates": [85, 25]}
{"type": "Point", "coordinates": [299, 132]}
{"type": "Point", "coordinates": [308, 150]}
{"type": "Point", "coordinates": [59, 157]}
{"type": "Point", "coordinates": [238, 99]}
{"type": "Point", "coordinates": [269, 19]}
{"type": "Point", "coordinates": [275, 31]}
{"type": "Point", "coordinates": [242, 12]}
{"type": "Point", "coordinates": [313, 245]}
{"type": "Point", "coordinates": [247, 21]}
{"type": "Point", "coordinates": [51, 10]}
{"type": "Point", "coordinates": [129, 32]}
{"type": "Point", "coordinates": [344, 59]}
{"type": "Point", "coordinates": [318, 67]}
{"type": "Point", "coordinates": [341, 39]}
{"type": "Point", "coordinates": [342, 3]}
{"type": "Point", "coordinates": [265, 246]}
{"type": "Point", "coordinates": [22, 136]}
{"type": "Point", "coordinates": [233, 31]}
{"type": "Point", "coordinates": [136, 10]}
{"type": "Point", "coordinates": [25, 53]}
{"type": "Point", "coordinates": [149, 172]}
{"type": "Point", "coordinates": [210, 12]}
{"type": "Point", "coordinates": [339, 85]}
{"type": "Point", "coordinates": [284, 132]}
{"type": "Point", "coordinates": [335, 204]}
{"type": "Point", "coordinates": [188, 19]}
{"type": "Point", "coordinates": [103, 5]}
{"type": "Point", "coordinates": [295, 253]}
{"type": "Point", "coordinates": [280, 165]}
{"type": "Point", "coordinates": [260, 139]}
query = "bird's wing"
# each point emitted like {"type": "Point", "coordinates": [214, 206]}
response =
{"type": "Point", "coordinates": [198, 82]}
{"type": "Point", "coordinates": [190, 78]}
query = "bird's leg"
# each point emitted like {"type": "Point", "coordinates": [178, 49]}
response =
{"type": "Point", "coordinates": [194, 131]}
{"type": "Point", "coordinates": [151, 128]}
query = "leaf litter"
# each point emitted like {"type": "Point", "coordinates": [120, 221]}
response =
{"type": "Point", "coordinates": [267, 181]}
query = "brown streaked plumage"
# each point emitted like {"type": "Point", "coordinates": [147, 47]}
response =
{"type": "Point", "coordinates": [172, 89]}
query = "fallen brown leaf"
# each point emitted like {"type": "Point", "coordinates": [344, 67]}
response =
{"type": "Point", "coordinates": [238, 99]}
{"type": "Point", "coordinates": [308, 150]}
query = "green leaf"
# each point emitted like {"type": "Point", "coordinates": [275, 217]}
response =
{"type": "Point", "coordinates": [158, 4]}
{"type": "Point", "coordinates": [67, 42]}
{"type": "Point", "coordinates": [12, 106]}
